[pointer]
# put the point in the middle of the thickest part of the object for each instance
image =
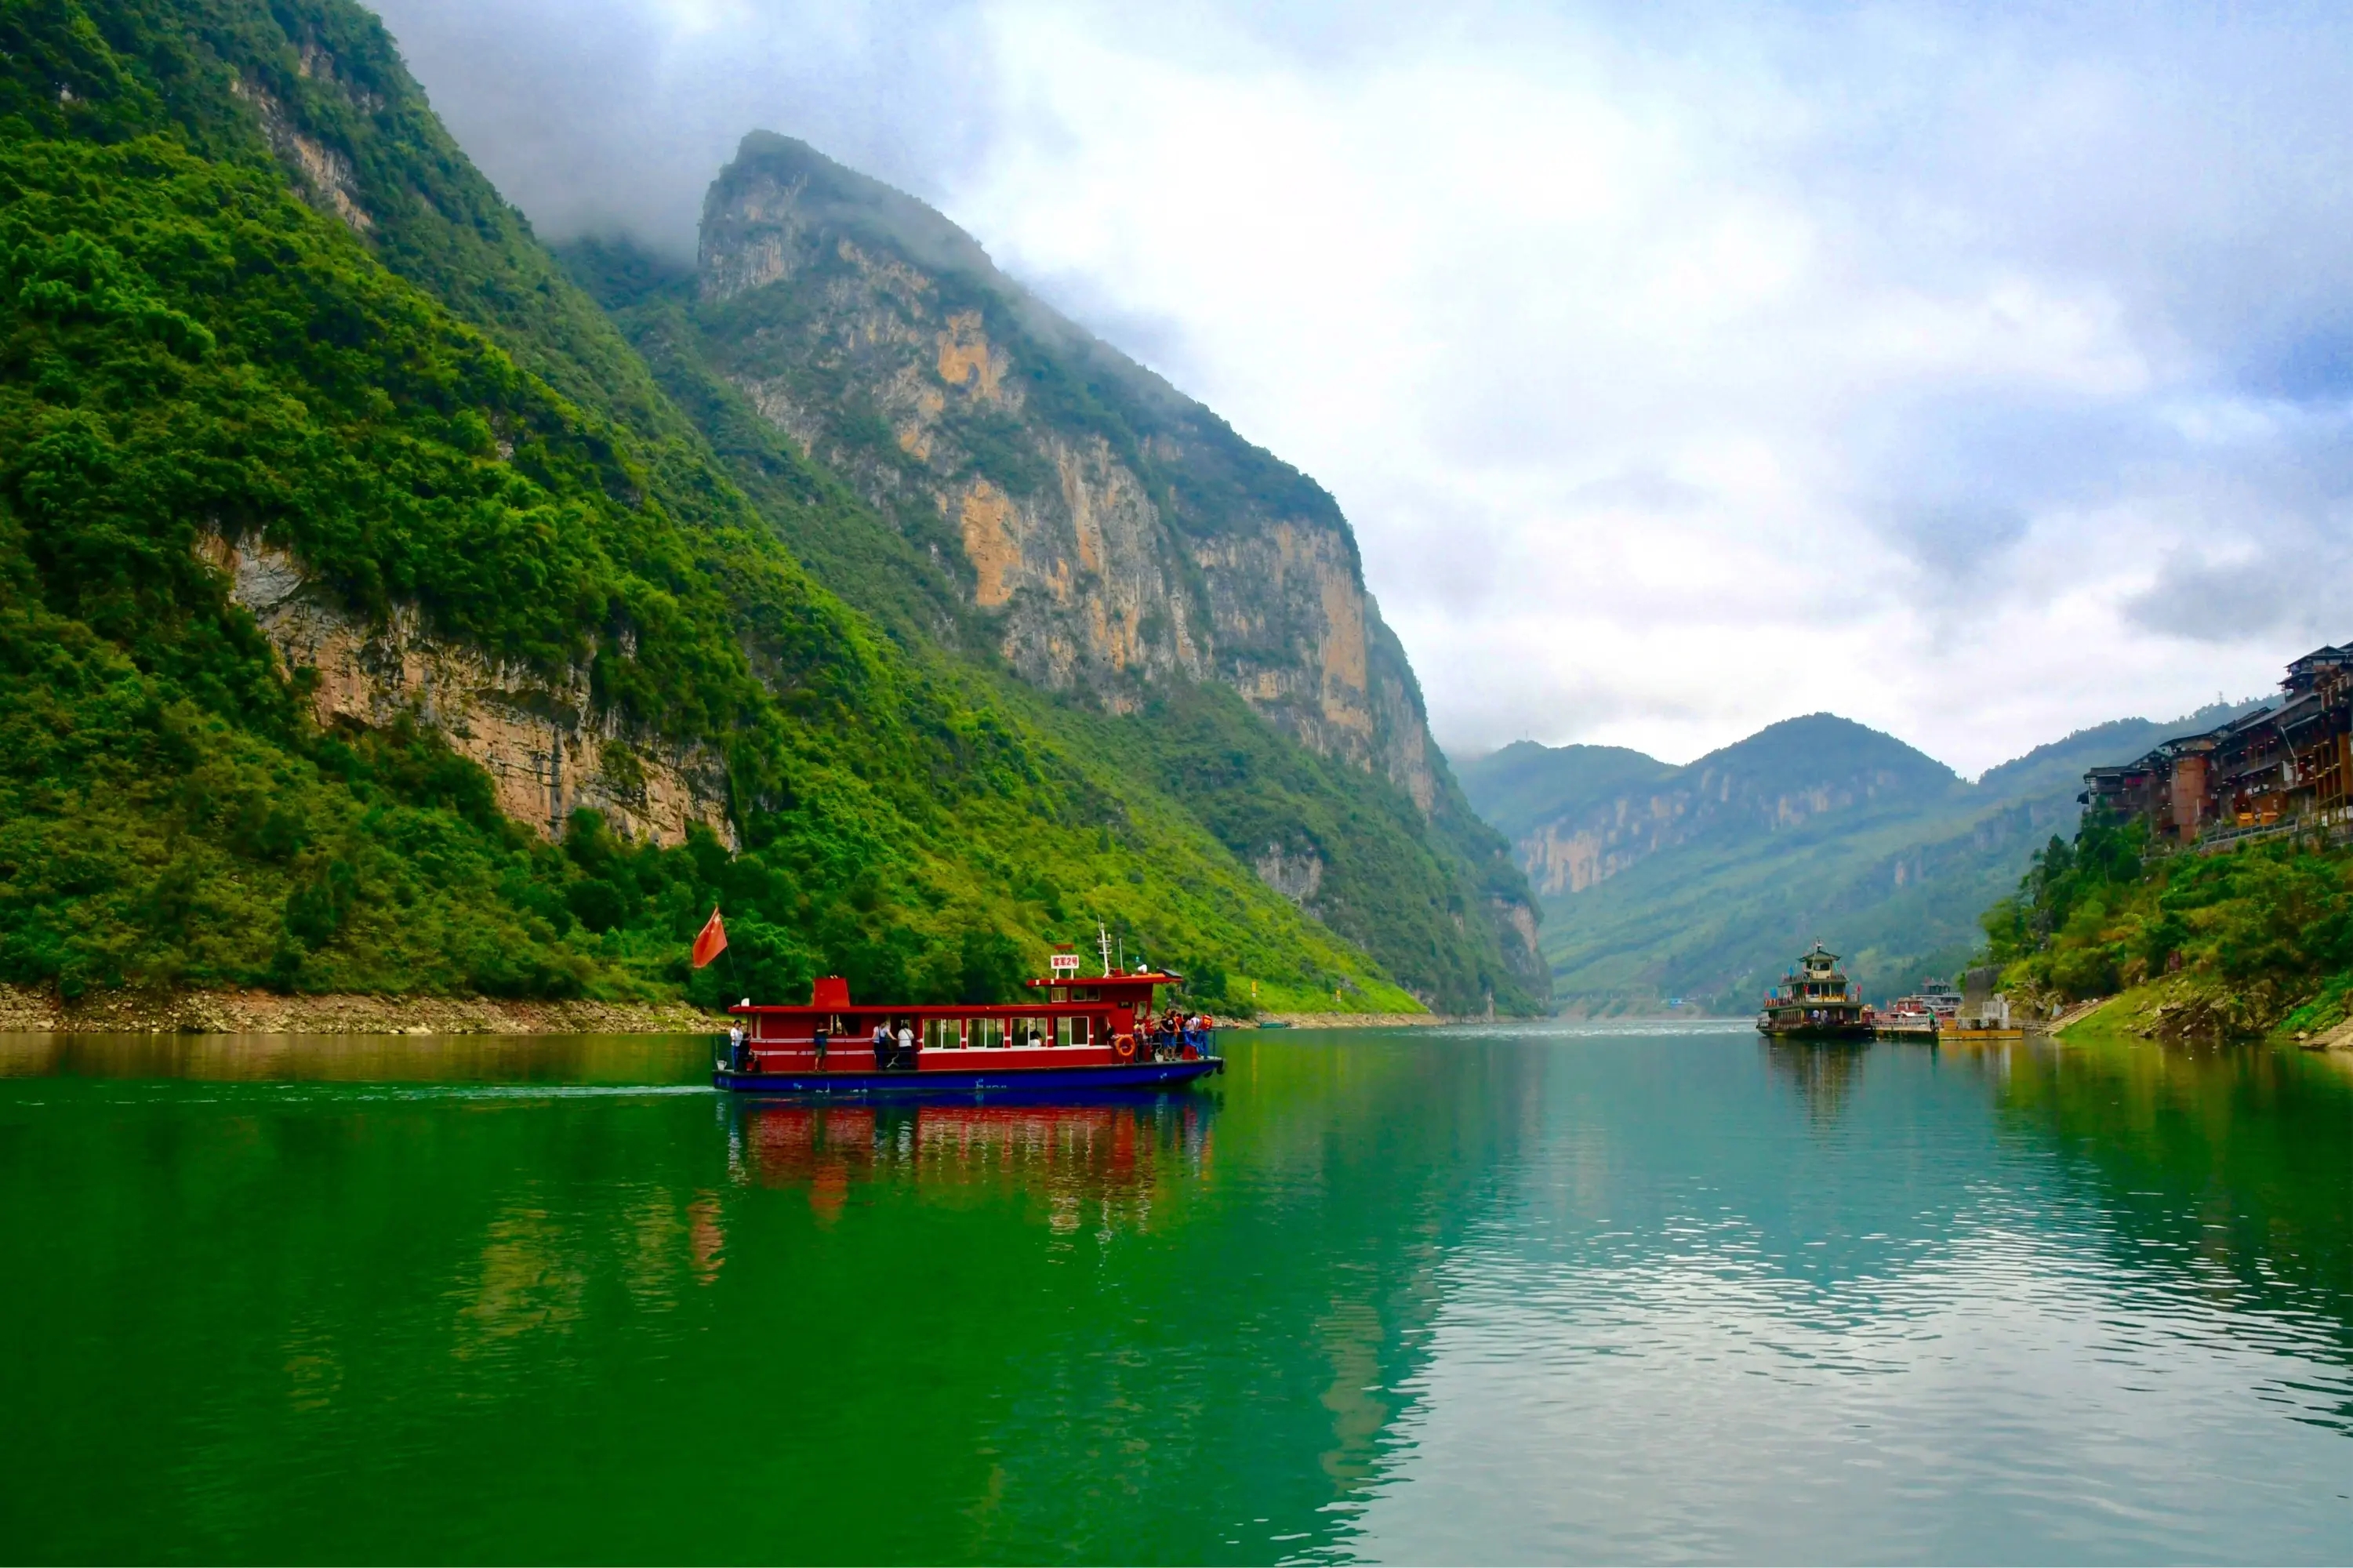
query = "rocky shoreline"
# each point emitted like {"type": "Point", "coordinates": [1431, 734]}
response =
{"type": "Point", "coordinates": [27, 1011]}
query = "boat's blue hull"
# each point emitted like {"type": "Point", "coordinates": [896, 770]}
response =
{"type": "Point", "coordinates": [970, 1082]}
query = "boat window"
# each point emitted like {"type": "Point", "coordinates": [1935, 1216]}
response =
{"type": "Point", "coordinates": [985, 1034]}
{"type": "Point", "coordinates": [1058, 992]}
{"type": "Point", "coordinates": [1031, 1032]}
{"type": "Point", "coordinates": [1086, 993]}
{"type": "Point", "coordinates": [1073, 1030]}
{"type": "Point", "coordinates": [943, 1034]}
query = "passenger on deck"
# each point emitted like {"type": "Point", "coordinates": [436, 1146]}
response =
{"type": "Point", "coordinates": [881, 1043]}
{"type": "Point", "coordinates": [906, 1046]}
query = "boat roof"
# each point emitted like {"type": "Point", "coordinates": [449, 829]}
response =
{"type": "Point", "coordinates": [830, 994]}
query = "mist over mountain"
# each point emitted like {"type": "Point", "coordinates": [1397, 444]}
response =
{"type": "Point", "coordinates": [1701, 882]}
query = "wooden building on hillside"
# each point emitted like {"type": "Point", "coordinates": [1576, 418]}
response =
{"type": "Point", "coordinates": [2281, 769]}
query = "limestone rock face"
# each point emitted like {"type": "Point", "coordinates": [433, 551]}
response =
{"type": "Point", "coordinates": [548, 750]}
{"type": "Point", "coordinates": [1121, 534]}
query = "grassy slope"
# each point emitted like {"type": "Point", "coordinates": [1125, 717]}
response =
{"type": "Point", "coordinates": [1415, 895]}
{"type": "Point", "coordinates": [187, 348]}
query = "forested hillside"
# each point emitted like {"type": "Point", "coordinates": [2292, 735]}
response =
{"type": "Point", "coordinates": [358, 582]}
{"type": "Point", "coordinates": [2227, 946]}
{"type": "Point", "coordinates": [1704, 882]}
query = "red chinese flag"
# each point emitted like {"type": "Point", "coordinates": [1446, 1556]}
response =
{"type": "Point", "coordinates": [711, 941]}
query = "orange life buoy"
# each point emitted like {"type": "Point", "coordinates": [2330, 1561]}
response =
{"type": "Point", "coordinates": [1125, 1046]}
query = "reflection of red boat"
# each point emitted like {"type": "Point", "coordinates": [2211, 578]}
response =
{"type": "Point", "coordinates": [1073, 1034]}
{"type": "Point", "coordinates": [1107, 1143]}
{"type": "Point", "coordinates": [1100, 1161]}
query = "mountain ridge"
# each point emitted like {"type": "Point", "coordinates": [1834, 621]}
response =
{"type": "Point", "coordinates": [1701, 881]}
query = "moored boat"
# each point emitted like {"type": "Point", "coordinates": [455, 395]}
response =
{"type": "Point", "coordinates": [1907, 1017]}
{"type": "Point", "coordinates": [1924, 1016]}
{"type": "Point", "coordinates": [1815, 1001]}
{"type": "Point", "coordinates": [1072, 1033]}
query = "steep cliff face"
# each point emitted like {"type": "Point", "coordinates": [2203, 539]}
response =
{"type": "Point", "coordinates": [550, 747]}
{"type": "Point", "coordinates": [1044, 501]}
{"type": "Point", "coordinates": [1118, 534]}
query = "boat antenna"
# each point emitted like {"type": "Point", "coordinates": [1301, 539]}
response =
{"type": "Point", "coordinates": [1102, 938]}
{"type": "Point", "coordinates": [1122, 955]}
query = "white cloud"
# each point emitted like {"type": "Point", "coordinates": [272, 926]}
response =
{"type": "Point", "coordinates": [1980, 375]}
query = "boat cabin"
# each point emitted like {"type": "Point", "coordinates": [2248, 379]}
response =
{"type": "Point", "coordinates": [1068, 1020]}
{"type": "Point", "coordinates": [1815, 999]}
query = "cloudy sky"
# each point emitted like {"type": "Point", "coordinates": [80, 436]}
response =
{"type": "Point", "coordinates": [1977, 372]}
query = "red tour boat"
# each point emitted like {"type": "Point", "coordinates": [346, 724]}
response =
{"type": "Point", "coordinates": [1096, 1032]}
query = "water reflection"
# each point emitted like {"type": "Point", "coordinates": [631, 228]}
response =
{"type": "Point", "coordinates": [2223, 1175]}
{"type": "Point", "coordinates": [2009, 1302]}
{"type": "Point", "coordinates": [1103, 1163]}
{"type": "Point", "coordinates": [1493, 1294]}
{"type": "Point", "coordinates": [1824, 1071]}
{"type": "Point", "coordinates": [362, 1059]}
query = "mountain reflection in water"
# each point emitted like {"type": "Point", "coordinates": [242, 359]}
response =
{"type": "Point", "coordinates": [1500, 1293]}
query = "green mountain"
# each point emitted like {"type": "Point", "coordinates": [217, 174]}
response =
{"type": "Point", "coordinates": [1702, 882]}
{"type": "Point", "coordinates": [991, 478]}
{"type": "Point", "coordinates": [372, 616]}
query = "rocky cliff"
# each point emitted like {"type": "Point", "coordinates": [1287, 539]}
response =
{"type": "Point", "coordinates": [550, 746]}
{"type": "Point", "coordinates": [1116, 534]}
{"type": "Point", "coordinates": [1050, 504]}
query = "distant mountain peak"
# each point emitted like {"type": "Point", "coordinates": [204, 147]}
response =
{"type": "Point", "coordinates": [1814, 741]}
{"type": "Point", "coordinates": [778, 179]}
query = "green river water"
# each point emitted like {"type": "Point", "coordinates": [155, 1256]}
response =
{"type": "Point", "coordinates": [1486, 1295]}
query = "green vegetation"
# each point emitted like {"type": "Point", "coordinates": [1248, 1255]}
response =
{"type": "Point", "coordinates": [2240, 944]}
{"type": "Point", "coordinates": [1378, 880]}
{"type": "Point", "coordinates": [413, 400]}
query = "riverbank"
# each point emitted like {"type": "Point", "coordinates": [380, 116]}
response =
{"type": "Point", "coordinates": [2187, 1010]}
{"type": "Point", "coordinates": [27, 1011]}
